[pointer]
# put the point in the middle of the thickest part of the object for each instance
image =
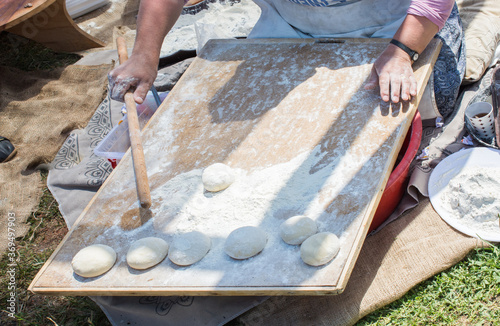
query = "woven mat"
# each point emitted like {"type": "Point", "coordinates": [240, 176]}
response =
{"type": "Point", "coordinates": [37, 112]}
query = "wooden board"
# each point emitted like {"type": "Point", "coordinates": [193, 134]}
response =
{"type": "Point", "coordinates": [46, 22]}
{"type": "Point", "coordinates": [294, 121]}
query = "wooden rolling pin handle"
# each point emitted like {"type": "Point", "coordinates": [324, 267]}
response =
{"type": "Point", "coordinates": [121, 47]}
{"type": "Point", "coordinates": [141, 175]}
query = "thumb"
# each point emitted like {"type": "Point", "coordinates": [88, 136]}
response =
{"type": "Point", "coordinates": [140, 93]}
{"type": "Point", "coordinates": [372, 80]}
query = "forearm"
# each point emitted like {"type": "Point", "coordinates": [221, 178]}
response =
{"type": "Point", "coordinates": [415, 32]}
{"type": "Point", "coordinates": [155, 19]}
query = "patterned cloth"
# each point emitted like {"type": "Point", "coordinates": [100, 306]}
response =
{"type": "Point", "coordinates": [449, 69]}
{"type": "Point", "coordinates": [76, 172]}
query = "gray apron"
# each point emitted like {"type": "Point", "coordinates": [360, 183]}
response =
{"type": "Point", "coordinates": [353, 18]}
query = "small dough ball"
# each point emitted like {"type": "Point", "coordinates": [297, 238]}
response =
{"type": "Point", "coordinates": [245, 242]}
{"type": "Point", "coordinates": [93, 260]}
{"type": "Point", "coordinates": [146, 252]}
{"type": "Point", "coordinates": [297, 228]}
{"type": "Point", "coordinates": [320, 248]}
{"type": "Point", "coordinates": [217, 177]}
{"type": "Point", "coordinates": [188, 248]}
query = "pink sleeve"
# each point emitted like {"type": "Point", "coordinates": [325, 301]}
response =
{"type": "Point", "coordinates": [436, 11]}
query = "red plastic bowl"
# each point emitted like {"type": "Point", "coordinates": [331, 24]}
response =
{"type": "Point", "coordinates": [398, 180]}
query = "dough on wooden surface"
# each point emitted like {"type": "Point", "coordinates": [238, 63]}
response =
{"type": "Point", "coordinates": [297, 228]}
{"type": "Point", "coordinates": [147, 252]}
{"type": "Point", "coordinates": [320, 248]}
{"type": "Point", "coordinates": [93, 260]}
{"type": "Point", "coordinates": [217, 177]}
{"type": "Point", "coordinates": [245, 242]}
{"type": "Point", "coordinates": [189, 248]}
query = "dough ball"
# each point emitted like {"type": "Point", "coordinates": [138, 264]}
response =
{"type": "Point", "coordinates": [245, 242]}
{"type": "Point", "coordinates": [297, 228]}
{"type": "Point", "coordinates": [93, 260]}
{"type": "Point", "coordinates": [146, 252]}
{"type": "Point", "coordinates": [320, 248]}
{"type": "Point", "coordinates": [217, 177]}
{"type": "Point", "coordinates": [188, 248]}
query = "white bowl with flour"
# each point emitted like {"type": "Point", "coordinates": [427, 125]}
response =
{"type": "Point", "coordinates": [464, 189]}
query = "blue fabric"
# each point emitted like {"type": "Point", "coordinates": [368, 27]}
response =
{"type": "Point", "coordinates": [449, 69]}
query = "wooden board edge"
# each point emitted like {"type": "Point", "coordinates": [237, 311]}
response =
{"type": "Point", "coordinates": [431, 52]}
{"type": "Point", "coordinates": [372, 207]}
{"type": "Point", "coordinates": [193, 291]}
{"type": "Point", "coordinates": [425, 67]}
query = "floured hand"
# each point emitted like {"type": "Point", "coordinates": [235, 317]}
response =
{"type": "Point", "coordinates": [393, 73]}
{"type": "Point", "coordinates": [137, 74]}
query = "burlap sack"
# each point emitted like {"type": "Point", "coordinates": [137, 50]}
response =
{"type": "Point", "coordinates": [37, 112]}
{"type": "Point", "coordinates": [391, 262]}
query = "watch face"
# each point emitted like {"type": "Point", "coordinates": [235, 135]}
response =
{"type": "Point", "coordinates": [415, 57]}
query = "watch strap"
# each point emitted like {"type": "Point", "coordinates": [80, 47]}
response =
{"type": "Point", "coordinates": [413, 54]}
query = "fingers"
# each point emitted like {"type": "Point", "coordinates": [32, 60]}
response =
{"type": "Point", "coordinates": [393, 73]}
{"type": "Point", "coordinates": [372, 80]}
{"type": "Point", "coordinates": [119, 85]}
{"type": "Point", "coordinates": [413, 85]}
{"type": "Point", "coordinates": [396, 87]}
{"type": "Point", "coordinates": [405, 88]}
{"type": "Point", "coordinates": [393, 86]}
{"type": "Point", "coordinates": [136, 75]}
{"type": "Point", "coordinates": [140, 92]}
{"type": "Point", "coordinates": [384, 84]}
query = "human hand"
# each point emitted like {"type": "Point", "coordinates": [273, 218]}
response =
{"type": "Point", "coordinates": [393, 73]}
{"type": "Point", "coordinates": [136, 74]}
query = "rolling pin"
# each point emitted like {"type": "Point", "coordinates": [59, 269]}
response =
{"type": "Point", "coordinates": [141, 176]}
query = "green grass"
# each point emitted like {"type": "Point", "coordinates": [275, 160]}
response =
{"type": "Point", "coordinates": [466, 294]}
{"type": "Point", "coordinates": [27, 55]}
{"type": "Point", "coordinates": [47, 228]}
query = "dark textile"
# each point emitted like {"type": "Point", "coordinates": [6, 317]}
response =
{"type": "Point", "coordinates": [449, 69]}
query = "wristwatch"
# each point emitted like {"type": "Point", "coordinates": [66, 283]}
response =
{"type": "Point", "coordinates": [413, 54]}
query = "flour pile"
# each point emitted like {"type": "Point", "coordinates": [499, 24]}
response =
{"type": "Point", "coordinates": [264, 198]}
{"type": "Point", "coordinates": [472, 197]}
